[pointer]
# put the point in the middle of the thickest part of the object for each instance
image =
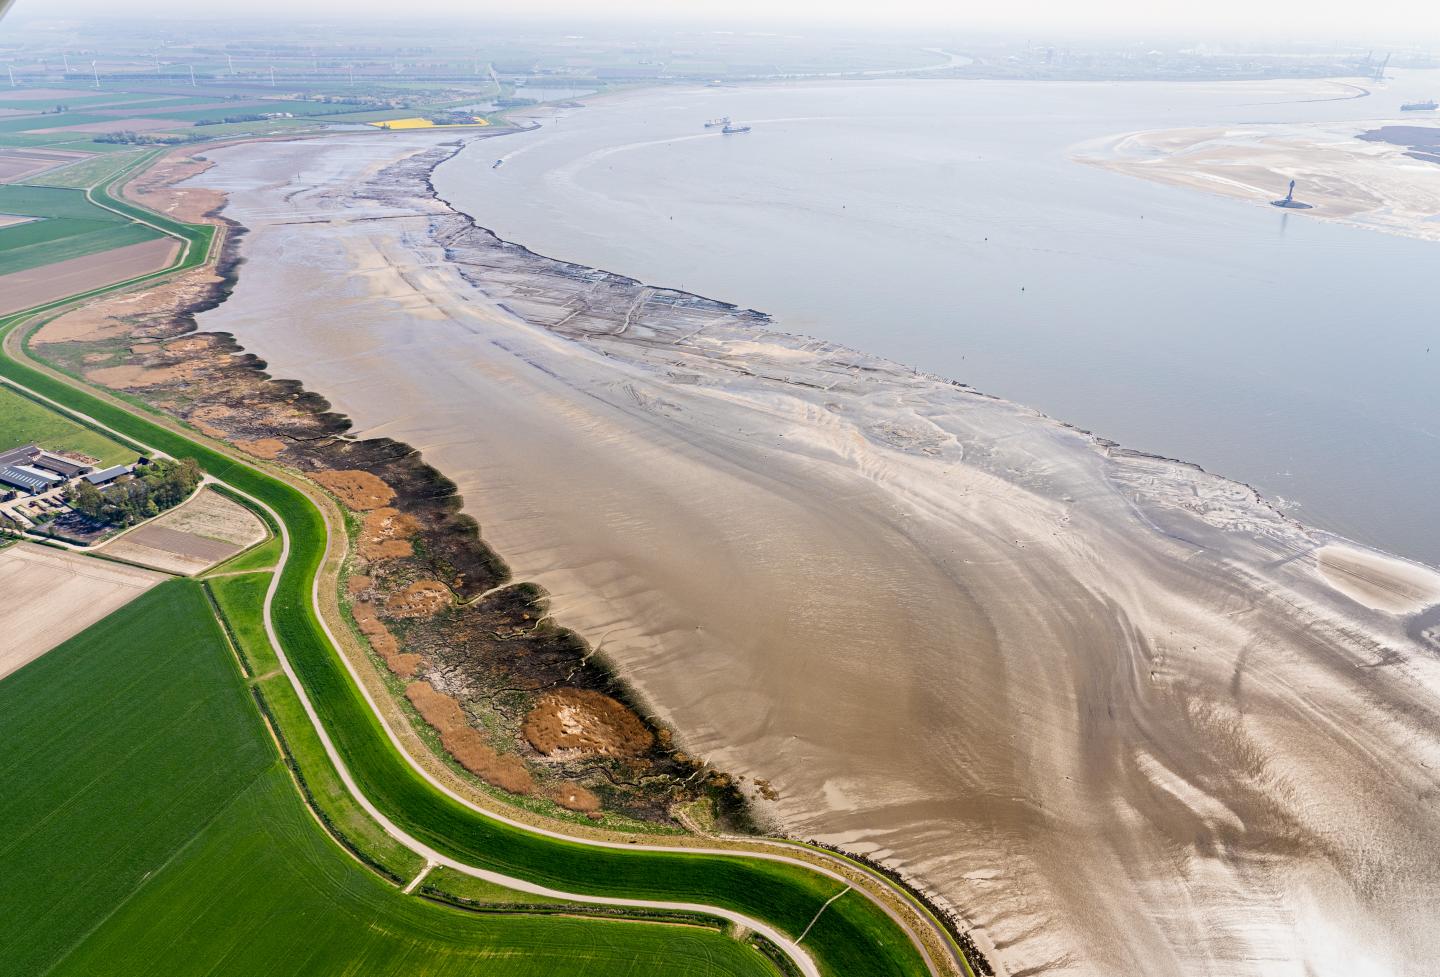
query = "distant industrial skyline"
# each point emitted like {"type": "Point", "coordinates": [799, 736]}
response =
{"type": "Point", "coordinates": [1394, 21]}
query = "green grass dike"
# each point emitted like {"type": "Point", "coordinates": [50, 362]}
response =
{"type": "Point", "coordinates": [148, 826]}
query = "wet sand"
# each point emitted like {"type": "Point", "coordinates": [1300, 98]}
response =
{"type": "Point", "coordinates": [1121, 714]}
{"type": "Point", "coordinates": [1342, 177]}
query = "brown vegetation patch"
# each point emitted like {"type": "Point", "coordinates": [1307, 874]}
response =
{"type": "Point", "coordinates": [373, 628]}
{"type": "Point", "coordinates": [126, 313]}
{"type": "Point", "coordinates": [358, 584]}
{"type": "Point", "coordinates": [195, 344]}
{"type": "Point", "coordinates": [388, 549]}
{"type": "Point", "coordinates": [574, 797]}
{"type": "Point", "coordinates": [358, 490]}
{"type": "Point", "coordinates": [582, 721]}
{"type": "Point", "coordinates": [435, 707]}
{"type": "Point", "coordinates": [202, 416]}
{"type": "Point", "coordinates": [504, 770]}
{"type": "Point", "coordinates": [403, 664]}
{"type": "Point", "coordinates": [267, 448]}
{"type": "Point", "coordinates": [421, 599]}
{"type": "Point", "coordinates": [385, 534]}
{"type": "Point", "coordinates": [465, 743]}
{"type": "Point", "coordinates": [139, 377]}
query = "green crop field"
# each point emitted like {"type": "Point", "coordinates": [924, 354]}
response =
{"type": "Point", "coordinates": [77, 98]}
{"type": "Point", "coordinates": [27, 123]}
{"type": "Point", "coordinates": [23, 421]}
{"type": "Point", "coordinates": [261, 557]}
{"type": "Point", "coordinates": [150, 828]}
{"type": "Point", "coordinates": [233, 595]}
{"type": "Point", "coordinates": [71, 226]}
{"type": "Point", "coordinates": [85, 173]}
{"type": "Point", "coordinates": [52, 202]}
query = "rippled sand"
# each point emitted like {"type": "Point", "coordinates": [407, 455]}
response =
{"type": "Point", "coordinates": [1112, 708]}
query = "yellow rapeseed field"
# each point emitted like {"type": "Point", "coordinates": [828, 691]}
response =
{"type": "Point", "coordinates": [425, 124]}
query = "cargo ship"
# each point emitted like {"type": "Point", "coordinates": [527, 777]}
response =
{"type": "Point", "coordinates": [730, 128]}
{"type": "Point", "coordinates": [1429, 106]}
{"type": "Point", "coordinates": [724, 120]}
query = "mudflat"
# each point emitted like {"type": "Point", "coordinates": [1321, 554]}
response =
{"type": "Point", "coordinates": [1121, 713]}
{"type": "Point", "coordinates": [48, 595]}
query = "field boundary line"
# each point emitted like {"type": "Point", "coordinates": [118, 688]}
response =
{"type": "Point", "coordinates": [415, 882]}
{"type": "Point", "coordinates": [818, 912]}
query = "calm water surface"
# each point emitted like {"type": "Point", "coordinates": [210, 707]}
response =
{"type": "Point", "coordinates": [943, 224]}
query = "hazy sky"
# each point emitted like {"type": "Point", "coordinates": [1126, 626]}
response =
{"type": "Point", "coordinates": [1396, 20]}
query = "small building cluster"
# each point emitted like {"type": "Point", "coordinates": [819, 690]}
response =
{"type": "Point", "coordinates": [31, 470]}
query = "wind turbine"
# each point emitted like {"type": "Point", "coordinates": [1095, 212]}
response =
{"type": "Point", "coordinates": [12, 76]}
{"type": "Point", "coordinates": [272, 76]}
{"type": "Point", "coordinates": [192, 75]}
{"type": "Point", "coordinates": [66, 56]}
{"type": "Point", "coordinates": [96, 72]}
{"type": "Point", "coordinates": [231, 62]}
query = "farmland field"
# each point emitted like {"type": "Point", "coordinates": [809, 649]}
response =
{"type": "Point", "coordinates": [47, 595]}
{"type": "Point", "coordinates": [85, 173]}
{"type": "Point", "coordinates": [23, 421]}
{"type": "Point", "coordinates": [158, 832]}
{"type": "Point", "coordinates": [71, 227]}
{"type": "Point", "coordinates": [48, 283]}
{"type": "Point", "coordinates": [191, 537]}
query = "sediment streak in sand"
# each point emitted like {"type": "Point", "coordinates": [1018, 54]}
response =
{"type": "Point", "coordinates": [1112, 708]}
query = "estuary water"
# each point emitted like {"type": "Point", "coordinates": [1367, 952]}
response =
{"type": "Point", "coordinates": [944, 224]}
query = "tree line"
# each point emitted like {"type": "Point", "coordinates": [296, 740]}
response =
{"type": "Point", "coordinates": [154, 488]}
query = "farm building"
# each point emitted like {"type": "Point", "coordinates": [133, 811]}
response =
{"type": "Point", "coordinates": [20, 456]}
{"type": "Point", "coordinates": [28, 478]}
{"type": "Point", "coordinates": [108, 475]}
{"type": "Point", "coordinates": [63, 467]}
